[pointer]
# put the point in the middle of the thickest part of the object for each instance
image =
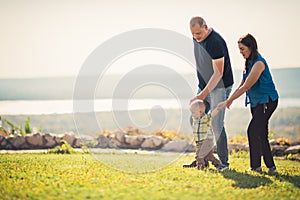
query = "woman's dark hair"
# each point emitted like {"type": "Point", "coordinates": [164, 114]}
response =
{"type": "Point", "coordinates": [250, 42]}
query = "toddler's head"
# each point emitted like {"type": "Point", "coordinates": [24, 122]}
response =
{"type": "Point", "coordinates": [197, 108]}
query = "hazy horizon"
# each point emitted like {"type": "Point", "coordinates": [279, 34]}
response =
{"type": "Point", "coordinates": [120, 73]}
{"type": "Point", "coordinates": [54, 38]}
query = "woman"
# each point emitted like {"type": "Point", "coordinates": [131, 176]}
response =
{"type": "Point", "coordinates": [261, 94]}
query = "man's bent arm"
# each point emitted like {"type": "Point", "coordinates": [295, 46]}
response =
{"type": "Point", "coordinates": [218, 67]}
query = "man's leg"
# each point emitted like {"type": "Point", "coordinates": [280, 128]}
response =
{"type": "Point", "coordinates": [216, 96]}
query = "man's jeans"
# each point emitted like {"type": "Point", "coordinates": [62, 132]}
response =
{"type": "Point", "coordinates": [214, 98]}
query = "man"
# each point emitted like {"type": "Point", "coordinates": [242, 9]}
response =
{"type": "Point", "coordinates": [214, 75]}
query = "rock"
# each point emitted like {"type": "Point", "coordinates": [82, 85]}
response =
{"type": "Point", "coordinates": [17, 142]}
{"type": "Point", "coordinates": [112, 145]}
{"type": "Point", "coordinates": [50, 141]}
{"type": "Point", "coordinates": [3, 142]}
{"type": "Point", "coordinates": [134, 141]}
{"type": "Point", "coordinates": [273, 142]}
{"type": "Point", "coordinates": [191, 148]}
{"type": "Point", "coordinates": [69, 139]}
{"type": "Point", "coordinates": [293, 150]}
{"type": "Point", "coordinates": [57, 140]}
{"type": "Point", "coordinates": [89, 142]}
{"type": "Point", "coordinates": [133, 131]}
{"type": "Point", "coordinates": [278, 150]}
{"type": "Point", "coordinates": [9, 146]}
{"type": "Point", "coordinates": [120, 136]}
{"type": "Point", "coordinates": [176, 146]}
{"type": "Point", "coordinates": [152, 143]}
{"type": "Point", "coordinates": [77, 143]}
{"type": "Point", "coordinates": [1, 138]}
{"type": "Point", "coordinates": [237, 147]}
{"type": "Point", "coordinates": [116, 142]}
{"type": "Point", "coordinates": [103, 142]}
{"type": "Point", "coordinates": [35, 140]}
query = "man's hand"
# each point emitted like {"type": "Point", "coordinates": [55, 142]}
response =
{"type": "Point", "coordinates": [199, 96]}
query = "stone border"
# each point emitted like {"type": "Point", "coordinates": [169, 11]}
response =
{"type": "Point", "coordinates": [119, 140]}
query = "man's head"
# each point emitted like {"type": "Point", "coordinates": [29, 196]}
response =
{"type": "Point", "coordinates": [197, 108]}
{"type": "Point", "coordinates": [199, 28]}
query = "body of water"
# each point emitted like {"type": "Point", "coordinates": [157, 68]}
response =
{"type": "Point", "coordinates": [37, 107]}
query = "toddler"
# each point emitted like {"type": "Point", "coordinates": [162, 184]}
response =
{"type": "Point", "coordinates": [203, 135]}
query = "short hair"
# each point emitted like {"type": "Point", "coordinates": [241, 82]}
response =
{"type": "Point", "coordinates": [197, 20]}
{"type": "Point", "coordinates": [198, 102]}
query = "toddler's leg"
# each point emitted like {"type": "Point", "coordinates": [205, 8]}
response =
{"type": "Point", "coordinates": [213, 159]}
{"type": "Point", "coordinates": [200, 163]}
{"type": "Point", "coordinates": [199, 156]}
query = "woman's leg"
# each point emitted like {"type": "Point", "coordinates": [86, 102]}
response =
{"type": "Point", "coordinates": [266, 149]}
{"type": "Point", "coordinates": [258, 134]}
{"type": "Point", "coordinates": [253, 137]}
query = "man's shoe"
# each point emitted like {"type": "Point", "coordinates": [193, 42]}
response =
{"type": "Point", "coordinates": [221, 167]}
{"type": "Point", "coordinates": [193, 164]}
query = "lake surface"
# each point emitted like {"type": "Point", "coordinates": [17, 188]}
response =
{"type": "Point", "coordinates": [54, 95]}
{"type": "Point", "coordinates": [66, 106]}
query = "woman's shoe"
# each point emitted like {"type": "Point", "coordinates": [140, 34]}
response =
{"type": "Point", "coordinates": [272, 170]}
{"type": "Point", "coordinates": [258, 169]}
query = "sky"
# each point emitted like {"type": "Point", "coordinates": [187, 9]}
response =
{"type": "Point", "coordinates": [44, 38]}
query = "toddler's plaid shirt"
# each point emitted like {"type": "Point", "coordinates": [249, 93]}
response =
{"type": "Point", "coordinates": [202, 128]}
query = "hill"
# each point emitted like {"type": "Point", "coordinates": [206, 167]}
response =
{"type": "Point", "coordinates": [62, 87]}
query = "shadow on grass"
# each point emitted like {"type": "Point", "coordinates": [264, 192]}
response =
{"type": "Point", "coordinates": [295, 180]}
{"type": "Point", "coordinates": [244, 180]}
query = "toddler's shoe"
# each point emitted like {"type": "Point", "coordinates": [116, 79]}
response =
{"type": "Point", "coordinates": [193, 164]}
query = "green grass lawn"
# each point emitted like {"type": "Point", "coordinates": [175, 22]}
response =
{"type": "Point", "coordinates": [139, 176]}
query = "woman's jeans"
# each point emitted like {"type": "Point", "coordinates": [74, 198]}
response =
{"type": "Point", "coordinates": [258, 134]}
{"type": "Point", "coordinates": [214, 98]}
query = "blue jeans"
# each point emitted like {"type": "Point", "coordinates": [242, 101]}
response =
{"type": "Point", "coordinates": [214, 98]}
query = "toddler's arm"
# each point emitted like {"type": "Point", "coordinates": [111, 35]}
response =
{"type": "Point", "coordinates": [215, 112]}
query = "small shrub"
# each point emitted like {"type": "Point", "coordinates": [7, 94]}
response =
{"type": "Point", "coordinates": [239, 139]}
{"type": "Point", "coordinates": [166, 134]}
{"type": "Point", "coordinates": [293, 157]}
{"type": "Point", "coordinates": [65, 148]}
{"type": "Point", "coordinates": [28, 129]}
{"type": "Point", "coordinates": [283, 141]}
{"type": "Point", "coordinates": [84, 149]}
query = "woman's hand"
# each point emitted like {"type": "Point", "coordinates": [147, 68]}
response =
{"type": "Point", "coordinates": [224, 104]}
{"type": "Point", "coordinates": [228, 104]}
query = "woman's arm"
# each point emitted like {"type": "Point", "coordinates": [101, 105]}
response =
{"type": "Point", "coordinates": [222, 105]}
{"type": "Point", "coordinates": [254, 75]}
{"type": "Point", "coordinates": [241, 84]}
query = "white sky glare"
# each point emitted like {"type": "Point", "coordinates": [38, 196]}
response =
{"type": "Point", "coordinates": [54, 37]}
